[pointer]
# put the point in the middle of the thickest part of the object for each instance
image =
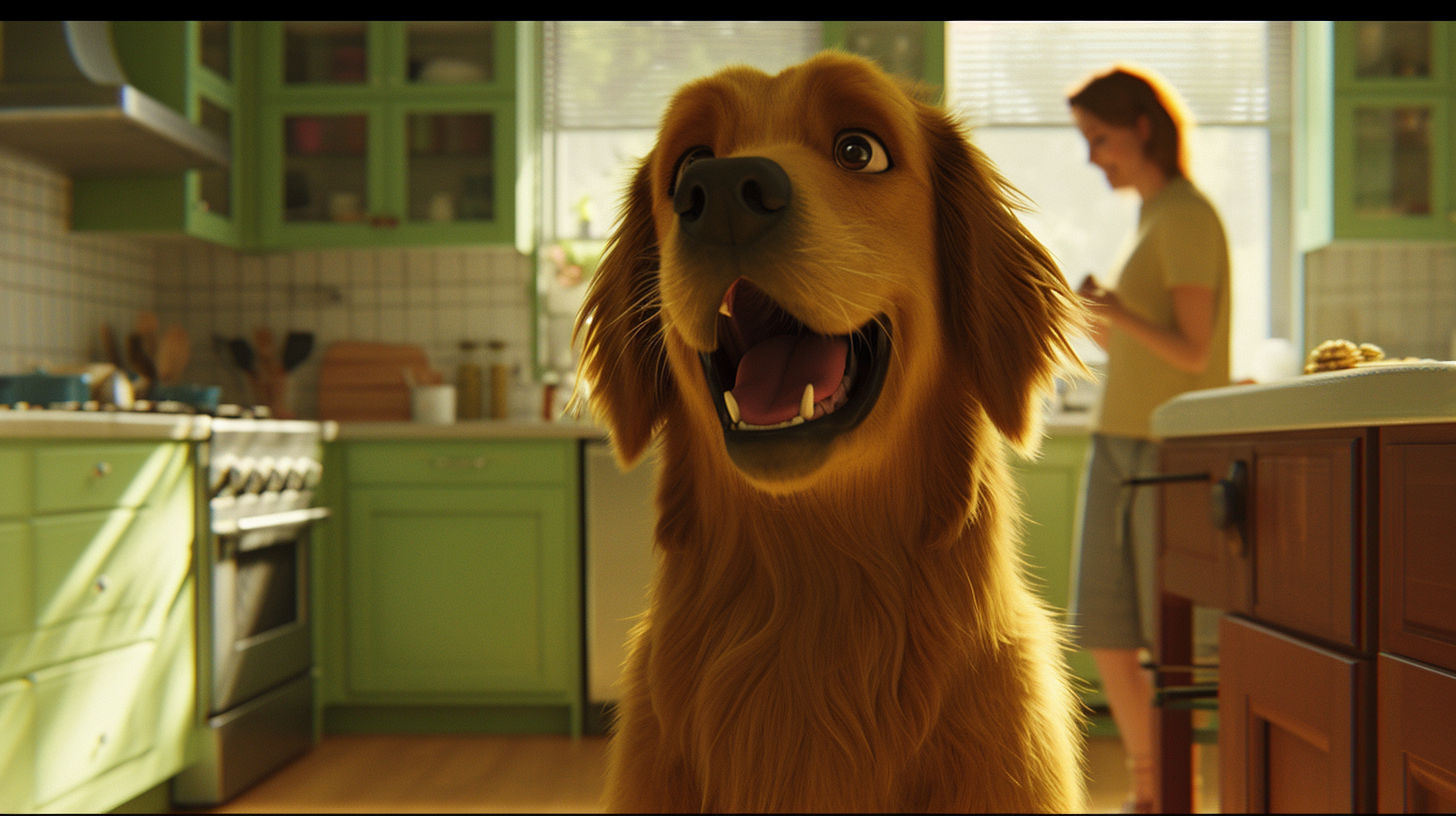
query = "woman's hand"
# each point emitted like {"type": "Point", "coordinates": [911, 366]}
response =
{"type": "Point", "coordinates": [1186, 347]}
{"type": "Point", "coordinates": [1101, 303]}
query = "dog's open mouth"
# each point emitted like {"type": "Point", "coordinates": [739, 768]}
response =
{"type": "Point", "coordinates": [776, 381]}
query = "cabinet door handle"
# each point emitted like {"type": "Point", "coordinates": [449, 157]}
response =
{"type": "Point", "coordinates": [459, 463]}
{"type": "Point", "coordinates": [102, 470]}
{"type": "Point", "coordinates": [1228, 506]}
{"type": "Point", "coordinates": [1138, 481]}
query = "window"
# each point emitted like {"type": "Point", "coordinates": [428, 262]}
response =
{"type": "Point", "coordinates": [1010, 81]}
{"type": "Point", "coordinates": [605, 85]}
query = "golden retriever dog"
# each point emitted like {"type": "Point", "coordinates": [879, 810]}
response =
{"type": "Point", "coordinates": [821, 300]}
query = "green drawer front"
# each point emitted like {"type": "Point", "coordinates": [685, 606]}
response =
{"type": "Point", "coordinates": [16, 751]}
{"type": "Point", "coordinates": [96, 477]}
{"type": "Point", "coordinates": [15, 587]}
{"type": "Point", "coordinates": [507, 462]}
{"type": "Point", "coordinates": [14, 482]}
{"type": "Point", "coordinates": [90, 716]}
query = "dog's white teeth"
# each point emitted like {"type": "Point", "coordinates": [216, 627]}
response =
{"type": "Point", "coordinates": [732, 406]}
{"type": "Point", "coordinates": [724, 310]}
{"type": "Point", "coordinates": [798, 420]}
{"type": "Point", "coordinates": [806, 403]}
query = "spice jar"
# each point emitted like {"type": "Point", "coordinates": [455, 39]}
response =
{"type": "Point", "coordinates": [468, 382]}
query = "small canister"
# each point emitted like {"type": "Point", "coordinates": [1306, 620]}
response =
{"type": "Point", "coordinates": [468, 382]}
{"type": "Point", "coordinates": [500, 381]}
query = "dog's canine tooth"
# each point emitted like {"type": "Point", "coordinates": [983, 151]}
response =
{"type": "Point", "coordinates": [806, 403]}
{"type": "Point", "coordinates": [732, 406]}
{"type": "Point", "coordinates": [724, 310]}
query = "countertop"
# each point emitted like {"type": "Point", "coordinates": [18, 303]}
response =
{"type": "Point", "coordinates": [1381, 394]}
{"type": "Point", "coordinates": [471, 429]}
{"type": "Point", "coordinates": [101, 425]}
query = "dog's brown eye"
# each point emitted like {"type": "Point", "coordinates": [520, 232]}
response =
{"type": "Point", "coordinates": [692, 155]}
{"type": "Point", "coordinates": [861, 152]}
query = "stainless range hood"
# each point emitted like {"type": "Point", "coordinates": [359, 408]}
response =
{"type": "Point", "coordinates": [65, 101]}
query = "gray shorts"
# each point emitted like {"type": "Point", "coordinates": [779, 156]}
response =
{"type": "Point", "coordinates": [1112, 594]}
{"type": "Point", "coordinates": [1115, 561]}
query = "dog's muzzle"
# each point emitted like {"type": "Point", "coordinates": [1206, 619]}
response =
{"type": "Point", "coordinates": [731, 201]}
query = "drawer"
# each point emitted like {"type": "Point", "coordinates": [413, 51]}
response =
{"type": "Point", "coordinates": [15, 586]}
{"type": "Point", "coordinates": [14, 482]}
{"type": "Point", "coordinates": [90, 716]}
{"type": "Point", "coordinates": [1416, 757]}
{"type": "Point", "coordinates": [16, 747]}
{"type": "Point", "coordinates": [1418, 546]}
{"type": "Point", "coordinates": [1310, 570]}
{"type": "Point", "coordinates": [96, 477]}
{"type": "Point", "coordinates": [495, 462]}
{"type": "Point", "coordinates": [1208, 564]}
{"type": "Point", "coordinates": [96, 563]}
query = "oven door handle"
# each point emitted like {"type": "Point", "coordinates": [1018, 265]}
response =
{"type": "Point", "coordinates": [284, 518]}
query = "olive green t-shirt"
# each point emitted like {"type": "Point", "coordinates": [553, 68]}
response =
{"type": "Point", "coordinates": [1180, 240]}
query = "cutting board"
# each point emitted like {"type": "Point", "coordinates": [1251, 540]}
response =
{"type": "Point", "coordinates": [365, 382]}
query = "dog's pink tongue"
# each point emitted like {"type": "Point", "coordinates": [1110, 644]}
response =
{"type": "Point", "coordinates": [772, 375]}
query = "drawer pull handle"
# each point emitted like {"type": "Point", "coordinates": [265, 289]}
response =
{"type": "Point", "coordinates": [1228, 504]}
{"type": "Point", "coordinates": [102, 470]}
{"type": "Point", "coordinates": [459, 462]}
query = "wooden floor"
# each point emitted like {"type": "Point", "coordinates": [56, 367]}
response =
{"type": "Point", "coordinates": [515, 774]}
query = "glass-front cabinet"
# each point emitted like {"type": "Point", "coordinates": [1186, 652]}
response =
{"type": "Point", "coordinates": [1393, 174]}
{"type": "Point", "coordinates": [380, 133]}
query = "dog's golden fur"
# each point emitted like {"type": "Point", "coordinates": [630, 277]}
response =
{"type": "Point", "coordinates": [859, 637]}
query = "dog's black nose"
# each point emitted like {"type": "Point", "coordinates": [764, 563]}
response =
{"type": "Point", "coordinates": [731, 201]}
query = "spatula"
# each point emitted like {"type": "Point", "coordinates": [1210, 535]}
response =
{"type": "Point", "coordinates": [296, 348]}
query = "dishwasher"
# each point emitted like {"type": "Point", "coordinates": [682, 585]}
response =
{"type": "Point", "coordinates": [619, 560]}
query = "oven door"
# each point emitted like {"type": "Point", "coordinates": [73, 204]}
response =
{"type": "Point", "coordinates": [260, 621]}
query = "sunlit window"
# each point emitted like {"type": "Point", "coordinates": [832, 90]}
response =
{"type": "Point", "coordinates": [1010, 81]}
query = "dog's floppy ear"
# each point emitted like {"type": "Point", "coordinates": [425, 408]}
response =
{"type": "Point", "coordinates": [622, 354]}
{"type": "Point", "coordinates": [1006, 306]}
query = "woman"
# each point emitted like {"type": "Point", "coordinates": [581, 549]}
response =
{"type": "Point", "coordinates": [1165, 326]}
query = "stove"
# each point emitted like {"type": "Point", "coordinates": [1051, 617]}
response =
{"type": "Point", "coordinates": [256, 481]}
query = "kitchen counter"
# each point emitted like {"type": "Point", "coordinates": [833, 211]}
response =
{"type": "Point", "coordinates": [472, 429]}
{"type": "Point", "coordinates": [102, 425]}
{"type": "Point", "coordinates": [1393, 394]}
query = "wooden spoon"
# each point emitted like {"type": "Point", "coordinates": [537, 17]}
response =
{"type": "Point", "coordinates": [172, 354]}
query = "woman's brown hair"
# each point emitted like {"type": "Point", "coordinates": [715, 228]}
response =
{"type": "Point", "coordinates": [1122, 95]}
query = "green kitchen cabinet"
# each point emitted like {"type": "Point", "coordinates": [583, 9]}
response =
{"type": "Point", "coordinates": [914, 48]}
{"type": "Point", "coordinates": [97, 622]}
{"type": "Point", "coordinates": [192, 67]}
{"type": "Point", "coordinates": [451, 591]}
{"type": "Point", "coordinates": [1374, 128]}
{"type": "Point", "coordinates": [385, 133]}
{"type": "Point", "coordinates": [1051, 487]}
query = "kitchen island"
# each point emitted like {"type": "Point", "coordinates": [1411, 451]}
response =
{"type": "Point", "coordinates": [1317, 513]}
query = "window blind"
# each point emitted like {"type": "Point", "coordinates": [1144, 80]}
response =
{"type": "Point", "coordinates": [620, 74]}
{"type": "Point", "coordinates": [1020, 73]}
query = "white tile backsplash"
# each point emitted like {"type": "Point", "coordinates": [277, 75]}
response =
{"type": "Point", "coordinates": [1399, 296]}
{"type": "Point", "coordinates": [58, 287]}
{"type": "Point", "coordinates": [434, 298]}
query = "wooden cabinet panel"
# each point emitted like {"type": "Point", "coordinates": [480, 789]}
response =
{"type": "Point", "coordinates": [1289, 737]}
{"type": "Point", "coordinates": [1418, 544]}
{"type": "Point", "coordinates": [1417, 755]}
{"type": "Point", "coordinates": [1307, 516]}
{"type": "Point", "coordinates": [1199, 561]}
